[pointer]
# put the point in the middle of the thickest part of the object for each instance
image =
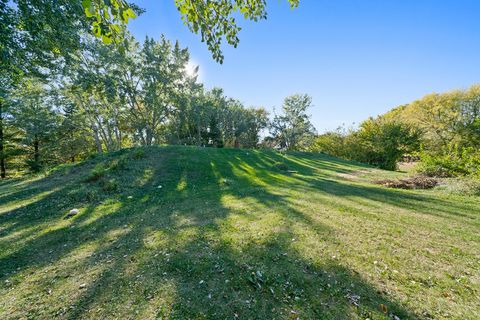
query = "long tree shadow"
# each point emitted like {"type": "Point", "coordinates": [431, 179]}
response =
{"type": "Point", "coordinates": [216, 277]}
{"type": "Point", "coordinates": [188, 233]}
{"type": "Point", "coordinates": [423, 203]}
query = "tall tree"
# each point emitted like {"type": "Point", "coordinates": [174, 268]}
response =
{"type": "Point", "coordinates": [74, 139]}
{"type": "Point", "coordinates": [10, 53]}
{"type": "Point", "coordinates": [446, 119]}
{"type": "Point", "coordinates": [293, 129]}
{"type": "Point", "coordinates": [94, 87]}
{"type": "Point", "coordinates": [33, 114]}
{"type": "Point", "coordinates": [382, 142]}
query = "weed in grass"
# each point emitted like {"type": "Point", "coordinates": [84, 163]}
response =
{"type": "Point", "coordinates": [469, 186]}
{"type": "Point", "coordinates": [138, 153]}
{"type": "Point", "coordinates": [119, 164]}
{"type": "Point", "coordinates": [109, 185]}
{"type": "Point", "coordinates": [96, 173]}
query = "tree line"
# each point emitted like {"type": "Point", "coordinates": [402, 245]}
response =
{"type": "Point", "coordinates": [73, 82]}
{"type": "Point", "coordinates": [105, 100]}
{"type": "Point", "coordinates": [441, 129]}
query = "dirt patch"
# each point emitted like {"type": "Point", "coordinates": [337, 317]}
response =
{"type": "Point", "coordinates": [416, 182]}
{"type": "Point", "coordinates": [354, 174]}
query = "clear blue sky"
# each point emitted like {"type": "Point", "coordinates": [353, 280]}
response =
{"type": "Point", "coordinates": [356, 58]}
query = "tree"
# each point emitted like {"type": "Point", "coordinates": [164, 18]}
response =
{"type": "Point", "coordinates": [468, 124]}
{"type": "Point", "coordinates": [34, 115]}
{"type": "Point", "coordinates": [293, 130]}
{"type": "Point", "coordinates": [378, 141]}
{"type": "Point", "coordinates": [94, 87]}
{"type": "Point", "coordinates": [153, 81]}
{"type": "Point", "coordinates": [10, 53]}
{"type": "Point", "coordinates": [132, 95]}
{"type": "Point", "coordinates": [241, 126]}
{"type": "Point", "coordinates": [213, 19]}
{"type": "Point", "coordinates": [257, 121]}
{"type": "Point", "coordinates": [54, 27]}
{"type": "Point", "coordinates": [74, 142]}
{"type": "Point", "coordinates": [10, 136]}
{"type": "Point", "coordinates": [383, 143]}
{"type": "Point", "coordinates": [446, 119]}
{"type": "Point", "coordinates": [163, 77]}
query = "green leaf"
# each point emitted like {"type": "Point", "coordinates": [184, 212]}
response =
{"type": "Point", "coordinates": [86, 4]}
{"type": "Point", "coordinates": [89, 11]}
{"type": "Point", "coordinates": [106, 39]}
{"type": "Point", "coordinates": [130, 13]}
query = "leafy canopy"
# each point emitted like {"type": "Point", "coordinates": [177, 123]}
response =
{"type": "Point", "coordinates": [214, 20]}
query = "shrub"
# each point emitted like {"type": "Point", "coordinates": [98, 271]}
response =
{"type": "Point", "coordinates": [377, 142]}
{"type": "Point", "coordinates": [452, 163]}
{"type": "Point", "coordinates": [34, 166]}
{"type": "Point", "coordinates": [331, 143]}
{"type": "Point", "coordinates": [385, 142]}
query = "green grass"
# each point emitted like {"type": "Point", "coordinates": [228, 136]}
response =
{"type": "Point", "coordinates": [232, 234]}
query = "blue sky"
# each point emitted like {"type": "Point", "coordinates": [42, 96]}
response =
{"type": "Point", "coordinates": [356, 58]}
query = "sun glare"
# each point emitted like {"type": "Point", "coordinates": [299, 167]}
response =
{"type": "Point", "coordinates": [192, 70]}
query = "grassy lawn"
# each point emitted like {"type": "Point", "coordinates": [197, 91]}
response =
{"type": "Point", "coordinates": [195, 233]}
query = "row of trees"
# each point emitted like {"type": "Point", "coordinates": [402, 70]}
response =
{"type": "Point", "coordinates": [64, 95]}
{"type": "Point", "coordinates": [451, 118]}
{"type": "Point", "coordinates": [109, 99]}
{"type": "Point", "coordinates": [104, 100]}
{"type": "Point", "coordinates": [450, 126]}
{"type": "Point", "coordinates": [442, 129]}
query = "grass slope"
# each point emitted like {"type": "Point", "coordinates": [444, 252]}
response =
{"type": "Point", "coordinates": [231, 234]}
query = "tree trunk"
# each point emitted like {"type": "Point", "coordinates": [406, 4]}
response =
{"type": "Point", "coordinates": [3, 171]}
{"type": "Point", "coordinates": [36, 151]}
{"type": "Point", "coordinates": [97, 140]}
{"type": "Point", "coordinates": [148, 136]}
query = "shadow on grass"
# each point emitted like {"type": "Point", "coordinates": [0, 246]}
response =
{"type": "Point", "coordinates": [179, 249]}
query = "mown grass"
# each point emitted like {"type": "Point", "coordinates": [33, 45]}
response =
{"type": "Point", "coordinates": [195, 233]}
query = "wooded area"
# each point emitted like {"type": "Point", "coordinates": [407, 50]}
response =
{"type": "Point", "coordinates": [69, 94]}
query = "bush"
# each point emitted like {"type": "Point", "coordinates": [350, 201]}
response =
{"type": "Point", "coordinates": [452, 163]}
{"type": "Point", "coordinates": [119, 164]}
{"type": "Point", "coordinates": [34, 166]}
{"type": "Point", "coordinates": [377, 142]}
{"type": "Point", "coordinates": [385, 142]}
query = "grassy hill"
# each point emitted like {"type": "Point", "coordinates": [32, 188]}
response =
{"type": "Point", "coordinates": [194, 233]}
